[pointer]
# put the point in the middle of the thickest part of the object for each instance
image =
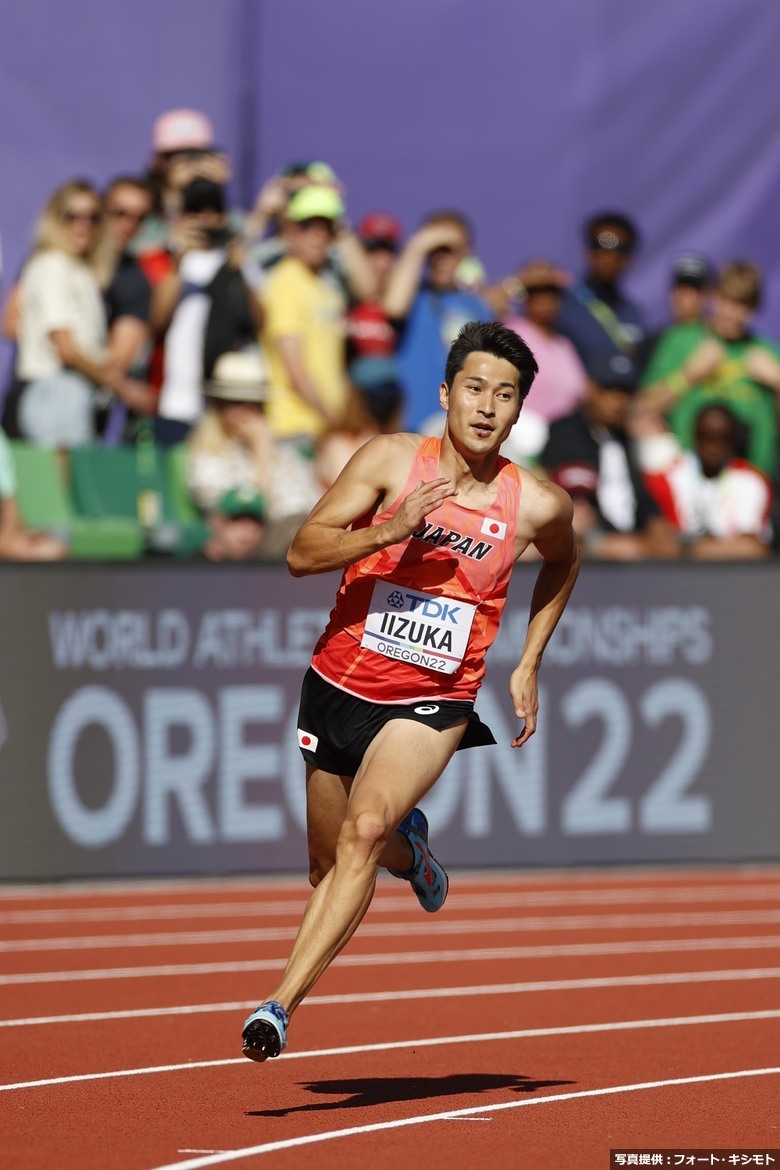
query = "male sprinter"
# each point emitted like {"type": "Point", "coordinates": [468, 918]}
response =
{"type": "Point", "coordinates": [427, 531]}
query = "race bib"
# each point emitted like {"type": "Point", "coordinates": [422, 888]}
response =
{"type": "Point", "coordinates": [427, 631]}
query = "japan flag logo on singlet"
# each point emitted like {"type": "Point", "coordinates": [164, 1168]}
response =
{"type": "Point", "coordinates": [494, 528]}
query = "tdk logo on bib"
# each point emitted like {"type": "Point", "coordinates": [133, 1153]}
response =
{"type": "Point", "coordinates": [430, 607]}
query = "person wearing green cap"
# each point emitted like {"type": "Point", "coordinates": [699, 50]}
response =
{"type": "Point", "coordinates": [304, 315]}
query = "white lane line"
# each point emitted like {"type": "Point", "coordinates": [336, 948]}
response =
{"type": "Point", "coordinates": [387, 903]}
{"type": "Point", "coordinates": [404, 958]}
{"type": "Point", "coordinates": [192, 1009]}
{"type": "Point", "coordinates": [399, 1045]}
{"type": "Point", "coordinates": [457, 1114]}
{"type": "Point", "coordinates": [531, 924]}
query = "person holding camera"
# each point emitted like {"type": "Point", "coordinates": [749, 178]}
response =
{"type": "Point", "coordinates": [203, 306]}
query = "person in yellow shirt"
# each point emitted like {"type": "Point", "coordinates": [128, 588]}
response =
{"type": "Point", "coordinates": [304, 315]}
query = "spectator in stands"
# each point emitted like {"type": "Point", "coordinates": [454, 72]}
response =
{"type": "Point", "coordinates": [255, 492]}
{"type": "Point", "coordinates": [721, 360]}
{"type": "Point", "coordinates": [128, 297]}
{"type": "Point", "coordinates": [265, 232]}
{"type": "Point", "coordinates": [429, 308]}
{"type": "Point", "coordinates": [304, 326]}
{"type": "Point", "coordinates": [373, 408]}
{"type": "Point", "coordinates": [17, 543]}
{"type": "Point", "coordinates": [370, 333]}
{"type": "Point", "coordinates": [65, 372]}
{"type": "Point", "coordinates": [692, 277]}
{"type": "Point", "coordinates": [595, 314]}
{"type": "Point", "coordinates": [183, 149]}
{"type": "Point", "coordinates": [560, 384]}
{"type": "Point", "coordinates": [203, 307]}
{"type": "Point", "coordinates": [590, 454]}
{"type": "Point", "coordinates": [718, 502]}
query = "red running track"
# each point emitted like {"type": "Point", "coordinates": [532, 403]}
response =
{"type": "Point", "coordinates": [538, 1021]}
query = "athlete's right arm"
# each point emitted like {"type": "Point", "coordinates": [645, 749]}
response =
{"type": "Point", "coordinates": [326, 541]}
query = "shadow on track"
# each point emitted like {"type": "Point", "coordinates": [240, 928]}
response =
{"type": "Point", "coordinates": [365, 1092]}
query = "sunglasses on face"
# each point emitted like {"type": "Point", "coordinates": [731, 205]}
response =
{"type": "Point", "coordinates": [126, 213]}
{"type": "Point", "coordinates": [92, 217]}
{"type": "Point", "coordinates": [544, 288]}
{"type": "Point", "coordinates": [318, 221]}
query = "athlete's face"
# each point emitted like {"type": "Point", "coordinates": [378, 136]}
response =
{"type": "Point", "coordinates": [483, 404]}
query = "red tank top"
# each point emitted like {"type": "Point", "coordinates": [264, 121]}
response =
{"type": "Point", "coordinates": [415, 620]}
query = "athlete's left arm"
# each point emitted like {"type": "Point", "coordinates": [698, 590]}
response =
{"type": "Point", "coordinates": [547, 509]}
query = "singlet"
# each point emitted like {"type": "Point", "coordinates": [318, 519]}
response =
{"type": "Point", "coordinates": [415, 620]}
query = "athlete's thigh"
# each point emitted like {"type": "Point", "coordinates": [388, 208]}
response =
{"type": "Point", "coordinates": [326, 806]}
{"type": "Point", "coordinates": [402, 762]}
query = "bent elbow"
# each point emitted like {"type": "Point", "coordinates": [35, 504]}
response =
{"type": "Point", "coordinates": [296, 563]}
{"type": "Point", "coordinates": [293, 563]}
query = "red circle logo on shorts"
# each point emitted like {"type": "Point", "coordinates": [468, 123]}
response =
{"type": "Point", "coordinates": [305, 740]}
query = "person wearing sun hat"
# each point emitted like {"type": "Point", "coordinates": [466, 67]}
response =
{"type": "Point", "coordinates": [560, 384]}
{"type": "Point", "coordinates": [304, 328]}
{"type": "Point", "coordinates": [253, 491]}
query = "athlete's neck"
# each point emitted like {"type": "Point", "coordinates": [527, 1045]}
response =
{"type": "Point", "coordinates": [464, 466]}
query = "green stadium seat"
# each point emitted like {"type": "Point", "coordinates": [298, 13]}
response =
{"type": "Point", "coordinates": [183, 507]}
{"type": "Point", "coordinates": [44, 503]}
{"type": "Point", "coordinates": [133, 483]}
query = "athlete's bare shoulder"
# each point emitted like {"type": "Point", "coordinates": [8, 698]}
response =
{"type": "Point", "coordinates": [373, 477]}
{"type": "Point", "coordinates": [384, 459]}
{"type": "Point", "coordinates": [545, 509]}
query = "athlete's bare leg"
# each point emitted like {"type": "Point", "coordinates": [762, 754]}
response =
{"type": "Point", "coordinates": [401, 765]}
{"type": "Point", "coordinates": [326, 807]}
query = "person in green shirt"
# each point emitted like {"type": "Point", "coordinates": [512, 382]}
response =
{"type": "Point", "coordinates": [720, 360]}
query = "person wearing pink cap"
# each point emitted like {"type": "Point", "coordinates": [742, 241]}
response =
{"type": "Point", "coordinates": [183, 149]}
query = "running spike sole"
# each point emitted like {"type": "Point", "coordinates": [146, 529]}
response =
{"type": "Point", "coordinates": [261, 1041]}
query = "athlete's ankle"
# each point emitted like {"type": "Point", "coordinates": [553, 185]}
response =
{"type": "Point", "coordinates": [398, 854]}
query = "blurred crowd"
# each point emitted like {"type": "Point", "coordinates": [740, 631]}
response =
{"type": "Point", "coordinates": [225, 364]}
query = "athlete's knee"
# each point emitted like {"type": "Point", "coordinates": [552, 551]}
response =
{"type": "Point", "coordinates": [364, 835]}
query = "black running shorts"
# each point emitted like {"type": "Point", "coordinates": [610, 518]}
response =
{"type": "Point", "coordinates": [335, 728]}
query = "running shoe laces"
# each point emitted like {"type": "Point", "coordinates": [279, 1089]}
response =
{"type": "Point", "coordinates": [426, 876]}
{"type": "Point", "coordinates": [265, 1031]}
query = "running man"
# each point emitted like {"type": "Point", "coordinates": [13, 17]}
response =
{"type": "Point", "coordinates": [427, 532]}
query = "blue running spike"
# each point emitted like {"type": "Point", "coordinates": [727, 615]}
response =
{"type": "Point", "coordinates": [426, 876]}
{"type": "Point", "coordinates": [265, 1031]}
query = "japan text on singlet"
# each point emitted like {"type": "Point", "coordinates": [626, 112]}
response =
{"type": "Point", "coordinates": [415, 620]}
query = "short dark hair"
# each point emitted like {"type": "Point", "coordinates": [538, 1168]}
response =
{"type": "Point", "coordinates": [724, 411]}
{"type": "Point", "coordinates": [494, 338]}
{"type": "Point", "coordinates": [617, 219]}
{"type": "Point", "coordinates": [137, 181]}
